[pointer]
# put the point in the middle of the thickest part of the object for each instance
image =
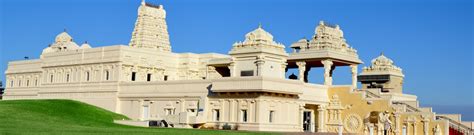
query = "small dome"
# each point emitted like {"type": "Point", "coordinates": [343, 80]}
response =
{"type": "Point", "coordinates": [303, 40]}
{"type": "Point", "coordinates": [47, 50]}
{"type": "Point", "coordinates": [293, 76]}
{"type": "Point", "coordinates": [382, 61]}
{"type": "Point", "coordinates": [63, 37]}
{"type": "Point", "coordinates": [300, 44]}
{"type": "Point", "coordinates": [383, 64]}
{"type": "Point", "coordinates": [85, 46]}
{"type": "Point", "coordinates": [259, 34]}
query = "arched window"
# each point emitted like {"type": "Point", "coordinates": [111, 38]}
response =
{"type": "Point", "coordinates": [27, 83]}
{"type": "Point", "coordinates": [67, 77]}
{"type": "Point", "coordinates": [51, 79]}
{"type": "Point", "coordinates": [107, 75]}
{"type": "Point", "coordinates": [87, 76]}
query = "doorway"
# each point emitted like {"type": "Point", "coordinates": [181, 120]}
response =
{"type": "Point", "coordinates": [307, 121]}
{"type": "Point", "coordinates": [146, 111]}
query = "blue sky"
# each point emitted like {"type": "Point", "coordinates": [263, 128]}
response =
{"type": "Point", "coordinates": [432, 41]}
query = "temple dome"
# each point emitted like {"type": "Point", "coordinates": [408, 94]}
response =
{"type": "Point", "coordinates": [383, 64]}
{"type": "Point", "coordinates": [63, 42]}
{"type": "Point", "coordinates": [63, 37]}
{"type": "Point", "coordinates": [85, 46]}
{"type": "Point", "coordinates": [258, 40]}
{"type": "Point", "coordinates": [47, 50]}
{"type": "Point", "coordinates": [259, 34]}
{"type": "Point", "coordinates": [382, 61]}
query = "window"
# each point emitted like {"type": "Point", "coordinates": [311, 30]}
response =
{"type": "Point", "coordinates": [36, 82]}
{"type": "Point", "coordinates": [165, 78]}
{"type": "Point", "coordinates": [243, 115]}
{"type": "Point", "coordinates": [106, 75]}
{"type": "Point", "coordinates": [27, 83]}
{"type": "Point", "coordinates": [11, 83]}
{"type": "Point", "coordinates": [404, 130]}
{"type": "Point", "coordinates": [67, 77]}
{"type": "Point", "coordinates": [19, 83]}
{"type": "Point", "coordinates": [169, 111]}
{"type": "Point", "coordinates": [192, 111]}
{"type": "Point", "coordinates": [271, 116]}
{"type": "Point", "coordinates": [51, 78]}
{"type": "Point", "coordinates": [148, 77]}
{"type": "Point", "coordinates": [87, 76]}
{"type": "Point", "coordinates": [246, 73]}
{"type": "Point", "coordinates": [133, 75]}
{"type": "Point", "coordinates": [215, 114]}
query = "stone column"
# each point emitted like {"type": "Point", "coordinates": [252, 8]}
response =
{"type": "Point", "coordinates": [301, 112]}
{"type": "Point", "coordinates": [301, 70]}
{"type": "Point", "coordinates": [407, 125]}
{"type": "Point", "coordinates": [312, 129]}
{"type": "Point", "coordinates": [232, 110]}
{"type": "Point", "coordinates": [397, 123]}
{"type": "Point", "coordinates": [232, 70]}
{"type": "Point", "coordinates": [414, 128]}
{"type": "Point", "coordinates": [321, 118]}
{"type": "Point", "coordinates": [207, 71]}
{"type": "Point", "coordinates": [182, 105]}
{"type": "Point", "coordinates": [354, 76]}
{"type": "Point", "coordinates": [257, 112]}
{"type": "Point", "coordinates": [283, 70]}
{"type": "Point", "coordinates": [327, 72]}
{"type": "Point", "coordinates": [259, 64]}
{"type": "Point", "coordinates": [426, 126]}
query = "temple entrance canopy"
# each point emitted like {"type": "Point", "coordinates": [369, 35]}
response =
{"type": "Point", "coordinates": [327, 49]}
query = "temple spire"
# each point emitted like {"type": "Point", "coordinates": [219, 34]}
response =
{"type": "Point", "coordinates": [151, 30]}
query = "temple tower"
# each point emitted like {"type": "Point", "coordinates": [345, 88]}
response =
{"type": "Point", "coordinates": [151, 30]}
{"type": "Point", "coordinates": [327, 49]}
{"type": "Point", "coordinates": [382, 74]}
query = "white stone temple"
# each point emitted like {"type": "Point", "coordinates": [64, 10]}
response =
{"type": "Point", "coordinates": [246, 89]}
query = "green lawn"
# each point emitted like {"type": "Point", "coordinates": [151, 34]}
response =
{"type": "Point", "coordinates": [71, 117]}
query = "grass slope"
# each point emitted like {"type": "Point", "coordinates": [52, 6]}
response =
{"type": "Point", "coordinates": [72, 117]}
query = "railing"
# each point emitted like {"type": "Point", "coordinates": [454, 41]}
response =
{"type": "Point", "coordinates": [453, 122]}
{"type": "Point", "coordinates": [371, 94]}
{"type": "Point", "coordinates": [409, 107]}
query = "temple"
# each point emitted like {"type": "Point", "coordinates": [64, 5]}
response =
{"type": "Point", "coordinates": [246, 89]}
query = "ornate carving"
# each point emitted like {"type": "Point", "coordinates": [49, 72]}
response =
{"type": "Point", "coordinates": [327, 71]}
{"type": "Point", "coordinates": [151, 30]}
{"type": "Point", "coordinates": [261, 38]}
{"type": "Point", "coordinates": [353, 123]}
{"type": "Point", "coordinates": [383, 63]}
{"type": "Point", "coordinates": [437, 130]}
